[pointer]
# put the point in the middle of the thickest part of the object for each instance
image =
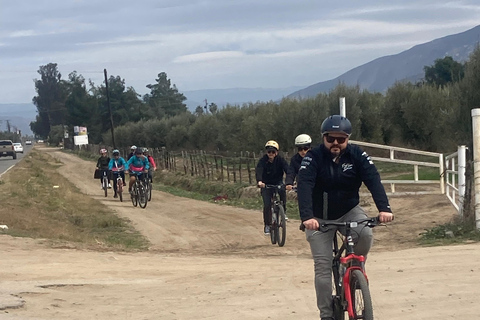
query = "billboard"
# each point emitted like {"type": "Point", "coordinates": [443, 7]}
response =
{"type": "Point", "coordinates": [80, 131]}
{"type": "Point", "coordinates": [80, 140]}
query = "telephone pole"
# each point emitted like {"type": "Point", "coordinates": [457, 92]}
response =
{"type": "Point", "coordinates": [109, 109]}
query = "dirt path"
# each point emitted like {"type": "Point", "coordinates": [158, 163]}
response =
{"type": "Point", "coordinates": [210, 261]}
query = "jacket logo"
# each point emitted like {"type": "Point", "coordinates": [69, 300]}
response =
{"type": "Point", "coordinates": [347, 166]}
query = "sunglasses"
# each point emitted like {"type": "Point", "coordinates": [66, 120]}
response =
{"type": "Point", "coordinates": [303, 148]}
{"type": "Point", "coordinates": [330, 139]}
{"type": "Point", "coordinates": [271, 151]}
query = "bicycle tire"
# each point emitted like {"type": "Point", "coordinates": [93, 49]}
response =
{"type": "Point", "coordinates": [120, 189]}
{"type": "Point", "coordinates": [281, 227]}
{"type": "Point", "coordinates": [134, 195]}
{"type": "Point", "coordinates": [360, 295]}
{"type": "Point", "coordinates": [149, 185]}
{"type": "Point", "coordinates": [105, 185]}
{"type": "Point", "coordinates": [273, 234]}
{"type": "Point", "coordinates": [142, 196]}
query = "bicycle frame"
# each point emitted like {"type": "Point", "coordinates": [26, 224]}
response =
{"type": "Point", "coordinates": [278, 220]}
{"type": "Point", "coordinates": [345, 261]}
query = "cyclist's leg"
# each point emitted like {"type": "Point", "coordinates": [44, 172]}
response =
{"type": "Point", "coordinates": [267, 202]}
{"type": "Point", "coordinates": [131, 182]}
{"type": "Point", "coordinates": [362, 235]}
{"type": "Point", "coordinates": [122, 174]}
{"type": "Point", "coordinates": [115, 175]}
{"type": "Point", "coordinates": [321, 243]}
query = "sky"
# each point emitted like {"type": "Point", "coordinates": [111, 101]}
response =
{"type": "Point", "coordinates": [213, 44]}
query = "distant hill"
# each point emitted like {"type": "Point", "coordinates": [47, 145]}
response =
{"type": "Point", "coordinates": [232, 96]}
{"type": "Point", "coordinates": [380, 74]}
{"type": "Point", "coordinates": [19, 115]}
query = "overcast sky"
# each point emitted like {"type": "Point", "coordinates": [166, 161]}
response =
{"type": "Point", "coordinates": [213, 44]}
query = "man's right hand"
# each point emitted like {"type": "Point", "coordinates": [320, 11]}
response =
{"type": "Point", "coordinates": [260, 184]}
{"type": "Point", "coordinates": [311, 224]}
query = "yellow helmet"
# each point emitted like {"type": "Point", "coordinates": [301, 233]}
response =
{"type": "Point", "coordinates": [272, 144]}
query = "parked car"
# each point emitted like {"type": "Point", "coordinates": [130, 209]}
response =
{"type": "Point", "coordinates": [28, 142]}
{"type": "Point", "coordinates": [18, 147]}
{"type": "Point", "coordinates": [7, 149]}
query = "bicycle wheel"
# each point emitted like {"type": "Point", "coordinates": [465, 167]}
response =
{"type": "Point", "coordinates": [134, 195]}
{"type": "Point", "coordinates": [120, 189]}
{"type": "Point", "coordinates": [142, 196]}
{"type": "Point", "coordinates": [281, 227]}
{"type": "Point", "coordinates": [274, 228]}
{"type": "Point", "coordinates": [149, 188]}
{"type": "Point", "coordinates": [360, 294]}
{"type": "Point", "coordinates": [105, 185]}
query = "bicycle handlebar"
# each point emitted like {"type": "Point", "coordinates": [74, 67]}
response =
{"type": "Point", "coordinates": [274, 186]}
{"type": "Point", "coordinates": [371, 222]}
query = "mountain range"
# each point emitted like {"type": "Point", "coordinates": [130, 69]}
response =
{"type": "Point", "coordinates": [380, 74]}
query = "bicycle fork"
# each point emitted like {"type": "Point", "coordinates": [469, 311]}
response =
{"type": "Point", "coordinates": [347, 265]}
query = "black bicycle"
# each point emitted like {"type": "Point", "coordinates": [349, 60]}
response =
{"type": "Point", "coordinates": [350, 291]}
{"type": "Point", "coordinates": [278, 228]}
{"type": "Point", "coordinates": [139, 193]}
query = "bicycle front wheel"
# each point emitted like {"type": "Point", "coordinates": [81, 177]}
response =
{"type": "Point", "coordinates": [281, 227]}
{"type": "Point", "coordinates": [120, 189]}
{"type": "Point", "coordinates": [149, 188]}
{"type": "Point", "coordinates": [360, 295]}
{"type": "Point", "coordinates": [273, 228]}
{"type": "Point", "coordinates": [134, 195]}
{"type": "Point", "coordinates": [142, 196]}
{"type": "Point", "coordinates": [105, 185]}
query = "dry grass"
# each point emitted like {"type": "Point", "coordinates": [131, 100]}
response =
{"type": "Point", "coordinates": [38, 202]}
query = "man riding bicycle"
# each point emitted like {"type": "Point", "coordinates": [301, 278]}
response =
{"type": "Point", "coordinates": [117, 166]}
{"type": "Point", "coordinates": [335, 171]}
{"type": "Point", "coordinates": [137, 165]}
{"type": "Point", "coordinates": [270, 169]}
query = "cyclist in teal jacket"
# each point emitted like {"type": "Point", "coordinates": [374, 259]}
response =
{"type": "Point", "coordinates": [137, 165]}
{"type": "Point", "coordinates": [117, 166]}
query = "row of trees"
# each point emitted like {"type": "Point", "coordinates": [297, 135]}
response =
{"type": "Point", "coordinates": [433, 115]}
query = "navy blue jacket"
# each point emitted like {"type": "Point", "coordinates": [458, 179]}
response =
{"type": "Point", "coordinates": [271, 172]}
{"type": "Point", "coordinates": [318, 174]}
{"type": "Point", "coordinates": [295, 163]}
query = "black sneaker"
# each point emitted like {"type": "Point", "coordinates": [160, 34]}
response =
{"type": "Point", "coordinates": [115, 195]}
{"type": "Point", "coordinates": [266, 230]}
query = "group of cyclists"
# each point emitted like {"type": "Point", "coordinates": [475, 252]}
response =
{"type": "Point", "coordinates": [328, 179]}
{"type": "Point", "coordinates": [139, 162]}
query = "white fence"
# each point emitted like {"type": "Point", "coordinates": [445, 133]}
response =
{"type": "Point", "coordinates": [437, 157]}
{"type": "Point", "coordinates": [456, 164]}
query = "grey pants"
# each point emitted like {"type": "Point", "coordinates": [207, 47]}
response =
{"type": "Point", "coordinates": [321, 243]}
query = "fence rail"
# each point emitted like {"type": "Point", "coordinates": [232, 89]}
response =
{"type": "Point", "coordinates": [455, 165]}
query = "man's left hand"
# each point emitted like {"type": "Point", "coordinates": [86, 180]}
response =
{"type": "Point", "coordinates": [385, 217]}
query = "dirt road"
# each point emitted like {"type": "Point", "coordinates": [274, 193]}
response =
{"type": "Point", "coordinates": [210, 261]}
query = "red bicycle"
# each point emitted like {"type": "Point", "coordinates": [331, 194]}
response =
{"type": "Point", "coordinates": [351, 294]}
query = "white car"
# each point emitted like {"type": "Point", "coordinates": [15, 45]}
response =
{"type": "Point", "coordinates": [28, 142]}
{"type": "Point", "coordinates": [18, 147]}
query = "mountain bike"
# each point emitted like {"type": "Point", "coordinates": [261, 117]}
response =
{"type": "Point", "coordinates": [278, 228]}
{"type": "Point", "coordinates": [350, 292]}
{"type": "Point", "coordinates": [139, 193]}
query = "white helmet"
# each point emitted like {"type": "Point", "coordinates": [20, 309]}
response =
{"type": "Point", "coordinates": [303, 140]}
{"type": "Point", "coordinates": [133, 148]}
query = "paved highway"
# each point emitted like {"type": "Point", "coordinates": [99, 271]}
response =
{"type": "Point", "coordinates": [7, 162]}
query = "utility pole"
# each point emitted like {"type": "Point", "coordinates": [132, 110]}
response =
{"type": "Point", "coordinates": [109, 109]}
{"type": "Point", "coordinates": [206, 105]}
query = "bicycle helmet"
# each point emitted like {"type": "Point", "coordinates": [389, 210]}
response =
{"type": "Point", "coordinates": [116, 152]}
{"type": "Point", "coordinates": [336, 123]}
{"type": "Point", "coordinates": [145, 150]}
{"type": "Point", "coordinates": [133, 148]}
{"type": "Point", "coordinates": [303, 140]}
{"type": "Point", "coordinates": [138, 151]}
{"type": "Point", "coordinates": [272, 144]}
{"type": "Point", "coordinates": [103, 150]}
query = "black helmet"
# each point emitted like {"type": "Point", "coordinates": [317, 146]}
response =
{"type": "Point", "coordinates": [138, 151]}
{"type": "Point", "coordinates": [336, 123]}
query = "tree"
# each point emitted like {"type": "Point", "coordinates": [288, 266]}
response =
{"type": "Point", "coordinates": [444, 71]}
{"type": "Point", "coordinates": [50, 99]}
{"type": "Point", "coordinates": [164, 99]}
